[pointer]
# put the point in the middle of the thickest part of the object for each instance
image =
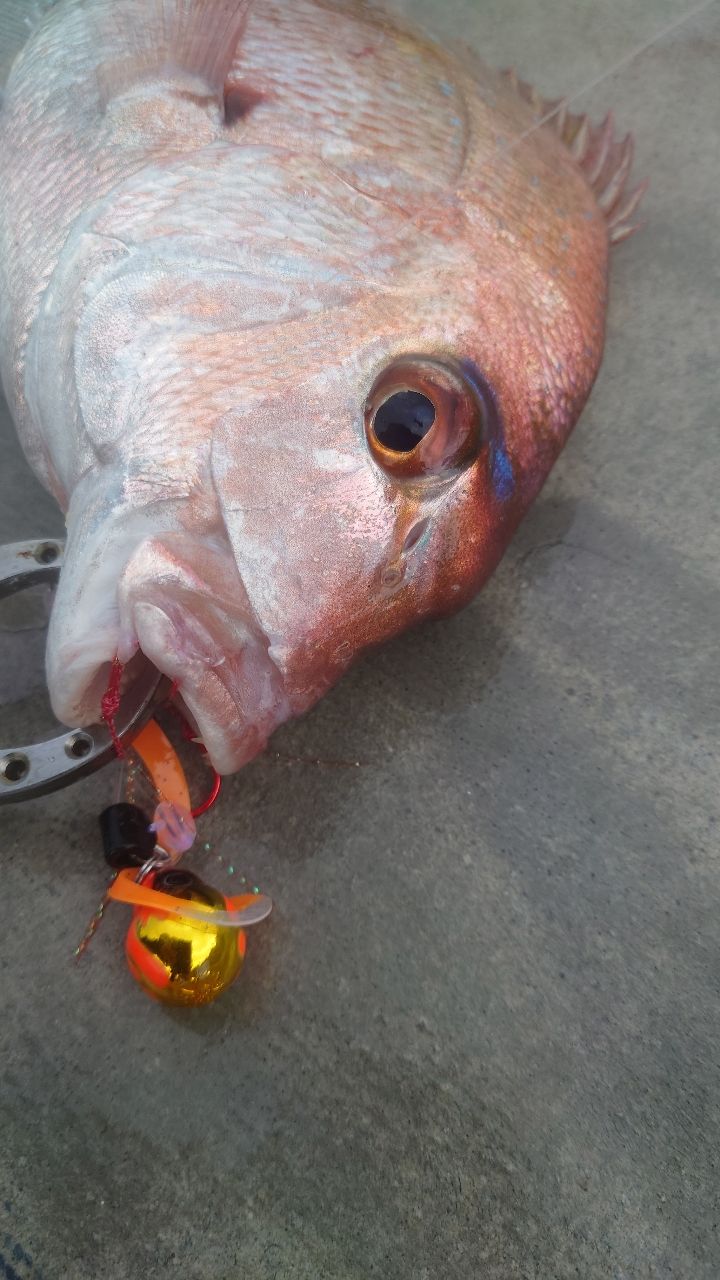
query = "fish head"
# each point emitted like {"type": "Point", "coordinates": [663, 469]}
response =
{"type": "Point", "coordinates": [302, 445]}
{"type": "Point", "coordinates": [346, 500]}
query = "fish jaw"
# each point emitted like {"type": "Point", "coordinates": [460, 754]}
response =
{"type": "Point", "coordinates": [184, 605]}
{"type": "Point", "coordinates": [178, 599]}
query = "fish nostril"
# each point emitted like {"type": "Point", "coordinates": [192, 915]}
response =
{"type": "Point", "coordinates": [415, 534]}
{"type": "Point", "coordinates": [392, 576]}
{"type": "Point", "coordinates": [240, 100]}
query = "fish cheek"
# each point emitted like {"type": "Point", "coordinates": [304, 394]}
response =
{"type": "Point", "coordinates": [335, 555]}
{"type": "Point", "coordinates": [307, 523]}
{"type": "Point", "coordinates": [464, 540]}
{"type": "Point", "coordinates": [443, 547]}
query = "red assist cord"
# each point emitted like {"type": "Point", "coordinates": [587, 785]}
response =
{"type": "Point", "coordinates": [211, 798]}
{"type": "Point", "coordinates": [190, 736]}
{"type": "Point", "coordinates": [110, 704]}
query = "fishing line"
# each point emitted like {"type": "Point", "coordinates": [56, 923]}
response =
{"type": "Point", "coordinates": [625, 61]}
{"type": "Point", "coordinates": [503, 149]}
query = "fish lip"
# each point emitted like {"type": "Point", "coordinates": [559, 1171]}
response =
{"type": "Point", "coordinates": [181, 602]}
{"type": "Point", "coordinates": [233, 725]}
{"type": "Point", "coordinates": [230, 684]}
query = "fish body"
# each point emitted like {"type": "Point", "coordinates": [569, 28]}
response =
{"type": "Point", "coordinates": [297, 311]}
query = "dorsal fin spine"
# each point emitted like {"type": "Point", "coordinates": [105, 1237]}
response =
{"type": "Point", "coordinates": [604, 161]}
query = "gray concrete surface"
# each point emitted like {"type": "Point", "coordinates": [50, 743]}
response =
{"type": "Point", "coordinates": [479, 1037]}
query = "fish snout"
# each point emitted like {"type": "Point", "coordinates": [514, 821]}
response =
{"type": "Point", "coordinates": [184, 605]}
{"type": "Point", "coordinates": [178, 599]}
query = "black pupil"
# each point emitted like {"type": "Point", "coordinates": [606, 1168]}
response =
{"type": "Point", "coordinates": [403, 420]}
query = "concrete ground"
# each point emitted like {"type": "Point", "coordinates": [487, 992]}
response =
{"type": "Point", "coordinates": [479, 1037]}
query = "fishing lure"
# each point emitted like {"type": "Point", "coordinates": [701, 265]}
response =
{"type": "Point", "coordinates": [186, 942]}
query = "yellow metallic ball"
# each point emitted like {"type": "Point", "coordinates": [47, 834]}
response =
{"type": "Point", "coordinates": [183, 961]}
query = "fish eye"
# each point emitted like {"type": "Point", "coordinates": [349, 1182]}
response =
{"type": "Point", "coordinates": [424, 417]}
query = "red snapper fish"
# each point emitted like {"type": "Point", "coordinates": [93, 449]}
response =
{"type": "Point", "coordinates": [297, 310]}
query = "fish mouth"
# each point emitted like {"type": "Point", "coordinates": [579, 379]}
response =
{"type": "Point", "coordinates": [183, 605]}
